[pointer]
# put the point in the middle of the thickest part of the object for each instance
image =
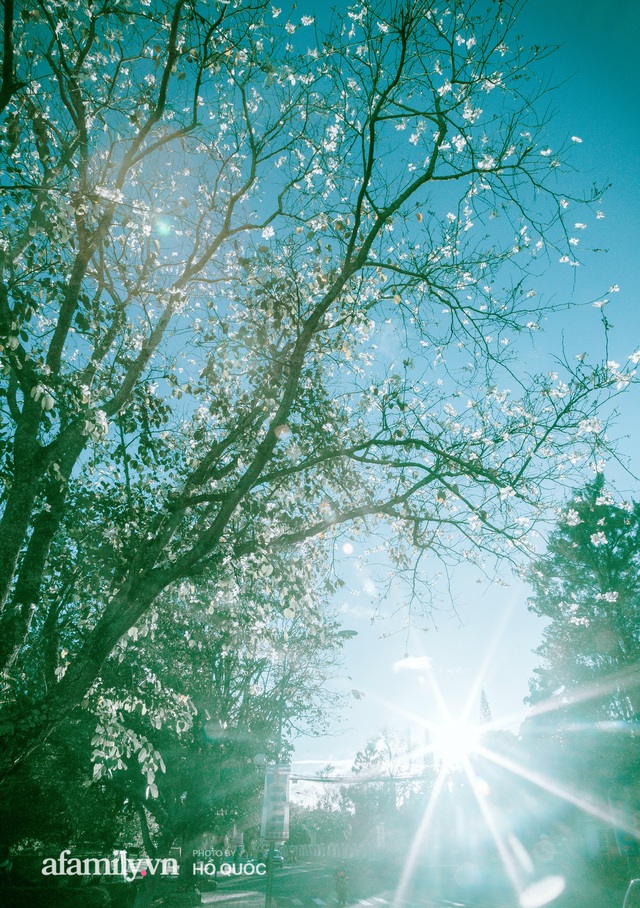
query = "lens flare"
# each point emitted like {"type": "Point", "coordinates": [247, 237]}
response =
{"type": "Point", "coordinates": [542, 892]}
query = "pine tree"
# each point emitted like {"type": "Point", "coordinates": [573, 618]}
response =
{"type": "Point", "coordinates": [485, 709]}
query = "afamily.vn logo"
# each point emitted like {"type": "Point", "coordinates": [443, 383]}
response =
{"type": "Point", "coordinates": [120, 865]}
{"type": "Point", "coordinates": [130, 868]}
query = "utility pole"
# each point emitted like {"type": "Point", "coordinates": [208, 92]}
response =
{"type": "Point", "coordinates": [269, 893]}
{"type": "Point", "coordinates": [276, 789]}
{"type": "Point", "coordinates": [268, 817]}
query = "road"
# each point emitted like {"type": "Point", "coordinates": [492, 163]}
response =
{"type": "Point", "coordinates": [311, 885]}
{"type": "Point", "coordinates": [374, 885]}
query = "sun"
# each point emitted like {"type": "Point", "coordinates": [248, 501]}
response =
{"type": "Point", "coordinates": [454, 741]}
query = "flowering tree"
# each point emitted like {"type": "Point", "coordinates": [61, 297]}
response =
{"type": "Point", "coordinates": [212, 691]}
{"type": "Point", "coordinates": [260, 284]}
{"type": "Point", "coordinates": [173, 727]}
{"type": "Point", "coordinates": [583, 727]}
{"type": "Point", "coordinates": [587, 584]}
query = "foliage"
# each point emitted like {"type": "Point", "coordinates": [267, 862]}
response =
{"type": "Point", "coordinates": [47, 806]}
{"type": "Point", "coordinates": [585, 691]}
{"type": "Point", "coordinates": [587, 584]}
{"type": "Point", "coordinates": [183, 707]}
{"type": "Point", "coordinates": [258, 286]}
{"type": "Point", "coordinates": [324, 823]}
{"type": "Point", "coordinates": [382, 798]}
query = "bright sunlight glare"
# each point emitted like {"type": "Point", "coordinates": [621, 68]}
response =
{"type": "Point", "coordinates": [454, 741]}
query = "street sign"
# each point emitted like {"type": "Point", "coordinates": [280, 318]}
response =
{"type": "Point", "coordinates": [275, 808]}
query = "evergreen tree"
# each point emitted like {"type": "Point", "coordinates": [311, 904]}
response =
{"type": "Point", "coordinates": [485, 709]}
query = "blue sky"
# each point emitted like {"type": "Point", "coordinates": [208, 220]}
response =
{"type": "Point", "coordinates": [493, 635]}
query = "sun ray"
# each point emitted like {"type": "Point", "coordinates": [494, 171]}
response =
{"type": "Point", "coordinates": [625, 680]}
{"type": "Point", "coordinates": [489, 654]}
{"type": "Point", "coordinates": [418, 840]}
{"type": "Point", "coordinates": [595, 809]}
{"type": "Point", "coordinates": [458, 743]}
{"type": "Point", "coordinates": [505, 856]}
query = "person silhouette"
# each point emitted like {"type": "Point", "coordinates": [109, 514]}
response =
{"type": "Point", "coordinates": [341, 877]}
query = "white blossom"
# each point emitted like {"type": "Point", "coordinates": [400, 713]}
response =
{"type": "Point", "coordinates": [487, 162]}
{"type": "Point", "coordinates": [598, 539]}
{"type": "Point", "coordinates": [471, 114]}
{"type": "Point", "coordinates": [572, 518]}
{"type": "Point", "coordinates": [607, 597]}
{"type": "Point", "coordinates": [590, 425]}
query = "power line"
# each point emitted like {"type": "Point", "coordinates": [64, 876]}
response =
{"type": "Point", "coordinates": [349, 780]}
